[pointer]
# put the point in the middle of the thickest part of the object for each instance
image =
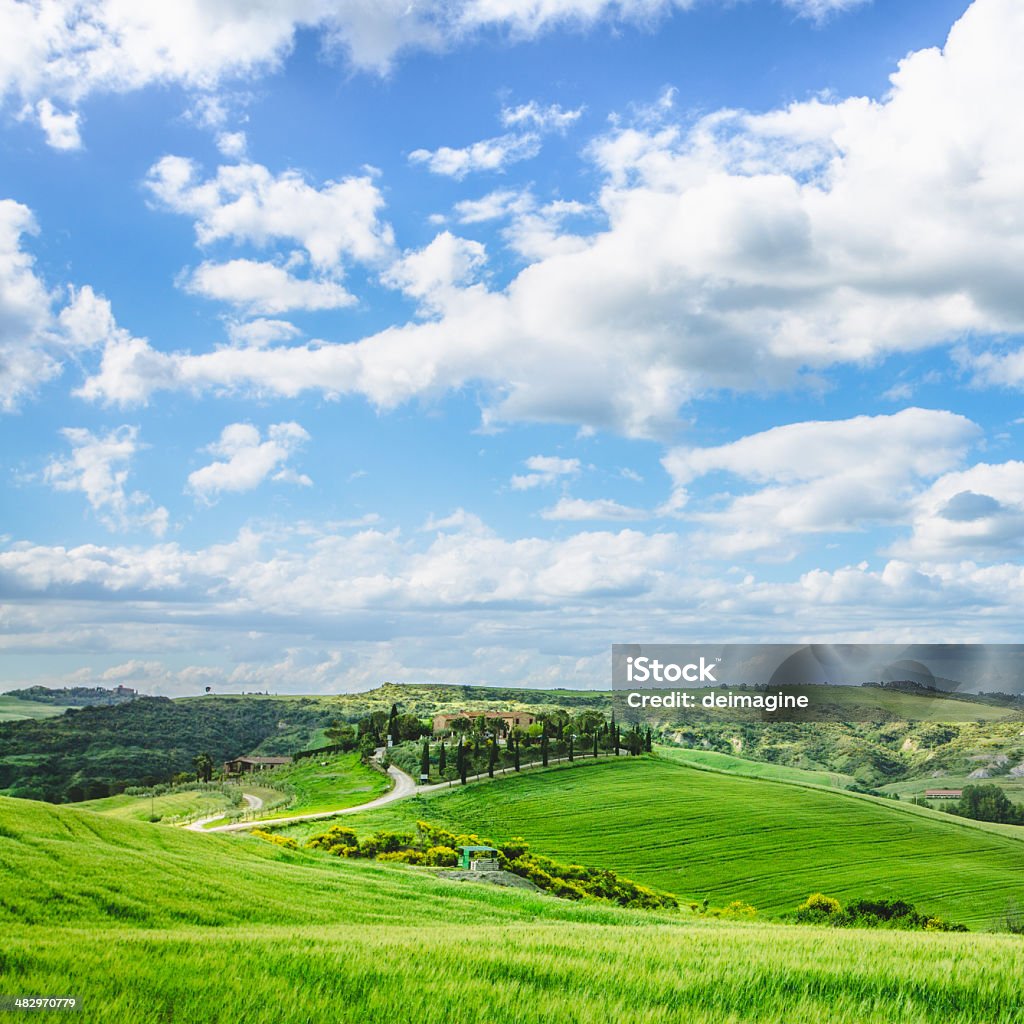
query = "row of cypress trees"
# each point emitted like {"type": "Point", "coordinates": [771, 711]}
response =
{"type": "Point", "coordinates": [635, 742]}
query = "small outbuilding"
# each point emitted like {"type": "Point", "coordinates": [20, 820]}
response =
{"type": "Point", "coordinates": [478, 858]}
{"type": "Point", "coordinates": [253, 764]}
{"type": "Point", "coordinates": [943, 794]}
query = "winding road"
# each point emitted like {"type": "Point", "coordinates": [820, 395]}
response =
{"type": "Point", "coordinates": [405, 786]}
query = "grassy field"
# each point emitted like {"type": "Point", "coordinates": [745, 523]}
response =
{"type": "Point", "coordinates": [754, 769]}
{"type": "Point", "coordinates": [324, 783]}
{"type": "Point", "coordinates": [314, 784]}
{"type": "Point", "coordinates": [167, 807]}
{"type": "Point", "coordinates": [14, 710]}
{"type": "Point", "coordinates": [706, 834]}
{"type": "Point", "coordinates": [147, 925]}
{"type": "Point", "coordinates": [1013, 786]}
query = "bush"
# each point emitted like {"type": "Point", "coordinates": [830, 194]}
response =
{"type": "Point", "coordinates": [870, 913]}
{"type": "Point", "coordinates": [441, 857]}
{"type": "Point", "coordinates": [404, 856]}
{"type": "Point", "coordinates": [738, 910]}
{"type": "Point", "coordinates": [818, 909]}
{"type": "Point", "coordinates": [436, 847]}
{"type": "Point", "coordinates": [336, 840]}
{"type": "Point", "coordinates": [286, 841]}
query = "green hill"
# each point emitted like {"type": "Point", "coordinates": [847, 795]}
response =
{"type": "Point", "coordinates": [14, 709]}
{"type": "Point", "coordinates": [708, 834]}
{"type": "Point", "coordinates": [144, 924]}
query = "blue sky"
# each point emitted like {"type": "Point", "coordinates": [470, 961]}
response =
{"type": "Point", "coordinates": [342, 342]}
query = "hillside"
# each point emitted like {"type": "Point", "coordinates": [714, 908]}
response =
{"type": "Point", "coordinates": [91, 752]}
{"type": "Point", "coordinates": [706, 834]}
{"type": "Point", "coordinates": [146, 924]}
{"type": "Point", "coordinates": [874, 753]}
{"type": "Point", "coordinates": [14, 709]}
{"type": "Point", "coordinates": [85, 753]}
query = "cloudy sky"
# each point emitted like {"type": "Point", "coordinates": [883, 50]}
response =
{"type": "Point", "coordinates": [343, 341]}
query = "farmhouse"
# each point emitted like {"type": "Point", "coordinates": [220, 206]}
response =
{"type": "Point", "coordinates": [509, 719]}
{"type": "Point", "coordinates": [253, 764]}
{"type": "Point", "coordinates": [943, 794]}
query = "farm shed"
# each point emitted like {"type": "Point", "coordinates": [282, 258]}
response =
{"type": "Point", "coordinates": [253, 764]}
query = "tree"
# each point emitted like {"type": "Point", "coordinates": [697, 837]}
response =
{"type": "Point", "coordinates": [589, 721]}
{"type": "Point", "coordinates": [614, 731]}
{"type": "Point", "coordinates": [492, 756]}
{"type": "Point", "coordinates": [408, 727]}
{"type": "Point", "coordinates": [989, 803]}
{"type": "Point", "coordinates": [374, 725]}
{"type": "Point", "coordinates": [571, 738]}
{"type": "Point", "coordinates": [203, 765]}
{"type": "Point", "coordinates": [341, 735]}
{"type": "Point", "coordinates": [425, 760]}
{"type": "Point", "coordinates": [367, 746]}
{"type": "Point", "coordinates": [544, 749]}
{"type": "Point", "coordinates": [460, 761]}
{"type": "Point", "coordinates": [595, 744]}
{"type": "Point", "coordinates": [648, 740]}
{"type": "Point", "coordinates": [515, 755]}
{"type": "Point", "coordinates": [442, 760]}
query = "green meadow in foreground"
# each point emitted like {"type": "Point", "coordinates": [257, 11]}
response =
{"type": "Point", "coordinates": [707, 834]}
{"type": "Point", "coordinates": [147, 924]}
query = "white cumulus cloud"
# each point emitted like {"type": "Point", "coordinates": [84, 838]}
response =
{"type": "Point", "coordinates": [544, 469]}
{"type": "Point", "coordinates": [820, 476]}
{"type": "Point", "coordinates": [99, 467]}
{"type": "Point", "coordinates": [744, 252]}
{"type": "Point", "coordinates": [577, 510]}
{"type": "Point", "coordinates": [247, 203]}
{"type": "Point", "coordinates": [486, 155]}
{"type": "Point", "coordinates": [37, 334]}
{"type": "Point", "coordinates": [247, 460]}
{"type": "Point", "coordinates": [262, 287]}
{"type": "Point", "coordinates": [61, 129]}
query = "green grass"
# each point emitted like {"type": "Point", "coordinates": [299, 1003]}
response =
{"type": "Point", "coordinates": [175, 806]}
{"type": "Point", "coordinates": [707, 834]}
{"type": "Point", "coordinates": [314, 784]}
{"type": "Point", "coordinates": [754, 769]}
{"type": "Point", "coordinates": [851, 702]}
{"type": "Point", "coordinates": [147, 925]}
{"type": "Point", "coordinates": [325, 783]}
{"type": "Point", "coordinates": [12, 709]}
{"type": "Point", "coordinates": [1013, 786]}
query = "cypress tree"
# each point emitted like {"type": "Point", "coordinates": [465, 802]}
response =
{"type": "Point", "coordinates": [595, 744]}
{"type": "Point", "coordinates": [544, 749]}
{"type": "Point", "coordinates": [515, 755]}
{"type": "Point", "coordinates": [425, 759]}
{"type": "Point", "coordinates": [570, 747]}
{"type": "Point", "coordinates": [460, 761]}
{"type": "Point", "coordinates": [442, 760]}
{"type": "Point", "coordinates": [648, 741]}
{"type": "Point", "coordinates": [492, 756]}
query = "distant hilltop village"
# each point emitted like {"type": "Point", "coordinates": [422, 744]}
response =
{"type": "Point", "coordinates": [76, 696]}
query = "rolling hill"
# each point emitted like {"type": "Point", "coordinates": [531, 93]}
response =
{"type": "Point", "coordinates": [707, 834]}
{"type": "Point", "coordinates": [144, 924]}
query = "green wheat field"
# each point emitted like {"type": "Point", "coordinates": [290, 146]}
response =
{"type": "Point", "coordinates": [148, 923]}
